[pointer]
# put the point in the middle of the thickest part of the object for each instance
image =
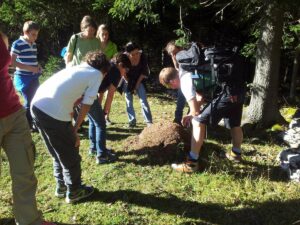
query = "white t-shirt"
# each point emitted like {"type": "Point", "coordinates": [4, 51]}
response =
{"type": "Point", "coordinates": [186, 85]}
{"type": "Point", "coordinates": [57, 95]}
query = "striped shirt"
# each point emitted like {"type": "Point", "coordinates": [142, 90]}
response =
{"type": "Point", "coordinates": [26, 54]}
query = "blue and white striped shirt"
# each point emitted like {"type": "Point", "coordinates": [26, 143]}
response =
{"type": "Point", "coordinates": [26, 54]}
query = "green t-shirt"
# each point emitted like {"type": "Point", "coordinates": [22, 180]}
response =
{"type": "Point", "coordinates": [82, 47]}
{"type": "Point", "coordinates": [110, 50]}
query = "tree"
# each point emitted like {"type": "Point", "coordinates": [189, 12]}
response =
{"type": "Point", "coordinates": [263, 108]}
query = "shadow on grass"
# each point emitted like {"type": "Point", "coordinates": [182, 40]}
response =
{"type": "Point", "coordinates": [11, 221]}
{"type": "Point", "coordinates": [269, 212]}
{"type": "Point", "coordinates": [212, 159]}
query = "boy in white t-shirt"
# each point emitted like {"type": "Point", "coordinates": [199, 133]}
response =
{"type": "Point", "coordinates": [52, 108]}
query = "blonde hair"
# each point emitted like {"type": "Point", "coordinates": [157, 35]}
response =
{"type": "Point", "coordinates": [101, 28]}
{"type": "Point", "coordinates": [30, 25]}
{"type": "Point", "coordinates": [171, 46]}
{"type": "Point", "coordinates": [167, 74]}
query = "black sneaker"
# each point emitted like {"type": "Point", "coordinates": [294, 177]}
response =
{"type": "Point", "coordinates": [131, 125]}
{"type": "Point", "coordinates": [60, 191]}
{"type": "Point", "coordinates": [108, 158]}
{"type": "Point", "coordinates": [81, 193]}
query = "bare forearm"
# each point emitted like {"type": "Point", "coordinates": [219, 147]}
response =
{"type": "Point", "coordinates": [109, 99]}
{"type": "Point", "coordinates": [139, 81]}
{"type": "Point", "coordinates": [194, 107]}
{"type": "Point", "coordinates": [68, 57]}
{"type": "Point", "coordinates": [84, 109]}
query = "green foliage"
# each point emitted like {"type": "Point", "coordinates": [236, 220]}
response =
{"type": "Point", "coordinates": [291, 36]}
{"type": "Point", "coordinates": [184, 37]}
{"type": "Point", "coordinates": [53, 65]}
{"type": "Point", "coordinates": [122, 10]}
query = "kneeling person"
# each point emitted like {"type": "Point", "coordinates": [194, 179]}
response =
{"type": "Point", "coordinates": [52, 108]}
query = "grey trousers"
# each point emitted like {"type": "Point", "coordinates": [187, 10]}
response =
{"type": "Point", "coordinates": [15, 139]}
{"type": "Point", "coordinates": [60, 140]}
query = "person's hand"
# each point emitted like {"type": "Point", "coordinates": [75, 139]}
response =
{"type": "Point", "coordinates": [186, 120]}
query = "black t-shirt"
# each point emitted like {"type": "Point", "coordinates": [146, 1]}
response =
{"type": "Point", "coordinates": [136, 71]}
{"type": "Point", "coordinates": [112, 77]}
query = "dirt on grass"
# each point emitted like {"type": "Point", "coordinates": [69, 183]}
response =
{"type": "Point", "coordinates": [163, 141]}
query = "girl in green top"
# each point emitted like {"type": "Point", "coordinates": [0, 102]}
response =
{"type": "Point", "coordinates": [107, 46]}
{"type": "Point", "coordinates": [83, 42]}
{"type": "Point", "coordinates": [110, 49]}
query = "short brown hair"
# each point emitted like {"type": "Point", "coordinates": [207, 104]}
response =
{"type": "Point", "coordinates": [97, 60]}
{"type": "Point", "coordinates": [30, 25]}
{"type": "Point", "coordinates": [122, 58]}
{"type": "Point", "coordinates": [167, 74]}
{"type": "Point", "coordinates": [86, 22]}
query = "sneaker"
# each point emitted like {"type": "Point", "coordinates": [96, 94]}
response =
{"type": "Point", "coordinates": [108, 122]}
{"type": "Point", "coordinates": [131, 125]}
{"type": "Point", "coordinates": [60, 191]}
{"type": "Point", "coordinates": [233, 156]}
{"type": "Point", "coordinates": [189, 166]}
{"type": "Point", "coordinates": [80, 193]}
{"type": "Point", "coordinates": [47, 223]}
{"type": "Point", "coordinates": [92, 152]}
{"type": "Point", "coordinates": [108, 158]}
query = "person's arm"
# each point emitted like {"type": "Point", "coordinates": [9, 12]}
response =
{"type": "Point", "coordinates": [176, 65]}
{"type": "Point", "coordinates": [70, 49]}
{"type": "Point", "coordinates": [141, 78]}
{"type": "Point", "coordinates": [14, 63]}
{"type": "Point", "coordinates": [84, 109]}
{"type": "Point", "coordinates": [68, 58]}
{"type": "Point", "coordinates": [109, 98]}
{"type": "Point", "coordinates": [100, 98]}
{"type": "Point", "coordinates": [194, 111]}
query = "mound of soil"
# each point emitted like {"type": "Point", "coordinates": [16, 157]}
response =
{"type": "Point", "coordinates": [162, 141]}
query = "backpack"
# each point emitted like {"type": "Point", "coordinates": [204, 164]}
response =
{"type": "Point", "coordinates": [193, 60]}
{"type": "Point", "coordinates": [228, 67]}
{"type": "Point", "coordinates": [290, 162]}
{"type": "Point", "coordinates": [213, 67]}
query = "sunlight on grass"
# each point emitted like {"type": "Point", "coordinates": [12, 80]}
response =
{"type": "Point", "coordinates": [130, 191]}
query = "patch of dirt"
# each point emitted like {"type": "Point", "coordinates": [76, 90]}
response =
{"type": "Point", "coordinates": [161, 142]}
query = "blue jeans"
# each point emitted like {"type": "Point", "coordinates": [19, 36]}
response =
{"type": "Point", "coordinates": [141, 93]}
{"type": "Point", "coordinates": [97, 129]}
{"type": "Point", "coordinates": [28, 94]}
{"type": "Point", "coordinates": [179, 106]}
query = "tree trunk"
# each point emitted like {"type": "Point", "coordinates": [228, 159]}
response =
{"type": "Point", "coordinates": [263, 109]}
{"type": "Point", "coordinates": [295, 73]}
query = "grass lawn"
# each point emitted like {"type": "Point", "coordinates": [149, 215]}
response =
{"type": "Point", "coordinates": [136, 190]}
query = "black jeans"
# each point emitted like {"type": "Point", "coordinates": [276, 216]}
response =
{"type": "Point", "coordinates": [60, 140]}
